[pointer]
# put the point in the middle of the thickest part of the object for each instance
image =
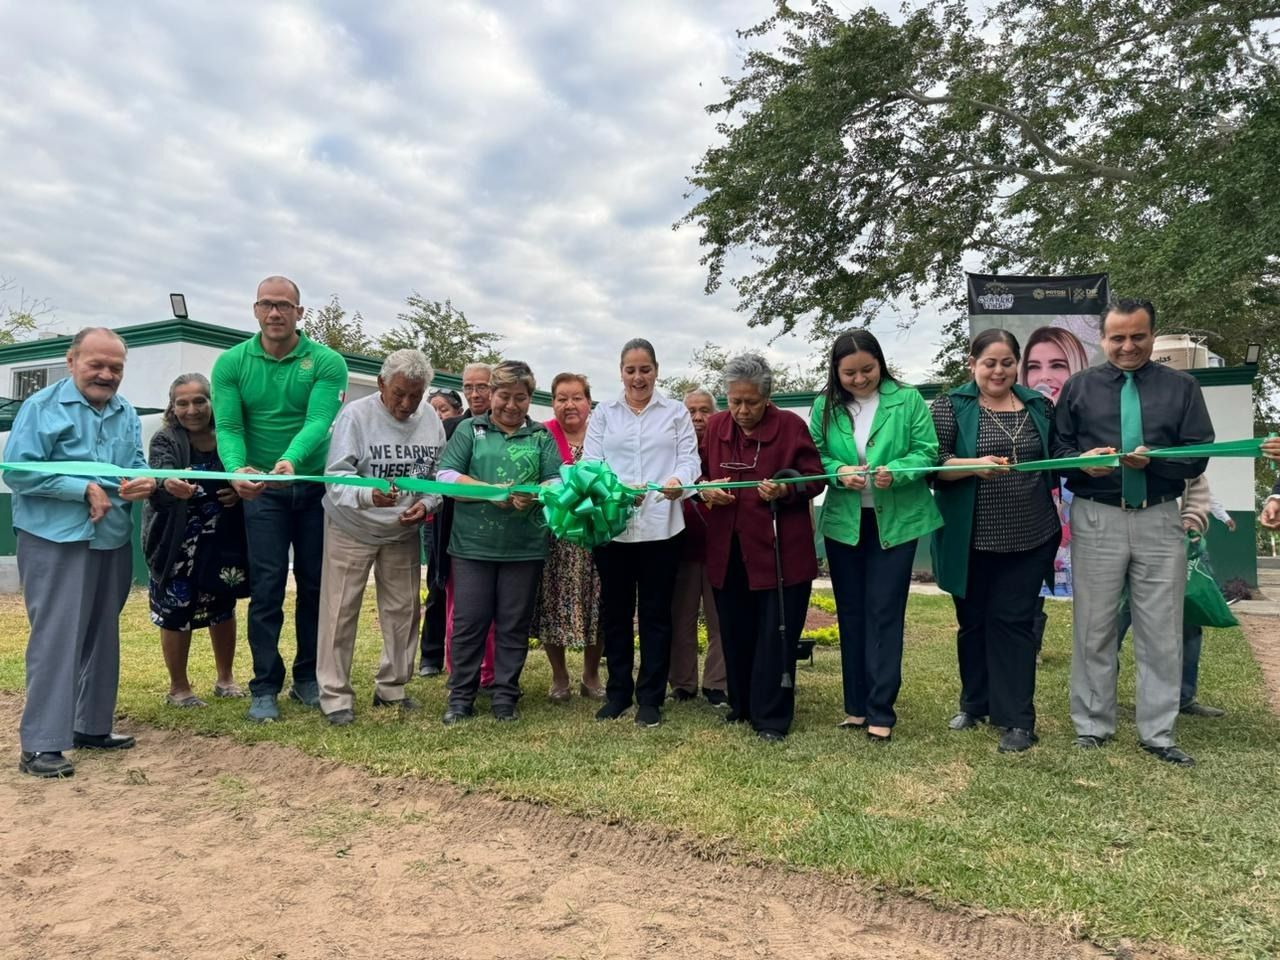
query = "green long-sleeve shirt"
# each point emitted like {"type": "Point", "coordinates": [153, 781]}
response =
{"type": "Point", "coordinates": [268, 410]}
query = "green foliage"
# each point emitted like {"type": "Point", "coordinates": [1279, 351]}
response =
{"type": "Point", "coordinates": [706, 369]}
{"type": "Point", "coordinates": [443, 333]}
{"type": "Point", "coordinates": [869, 160]}
{"type": "Point", "coordinates": [1111, 845]}
{"type": "Point", "coordinates": [329, 325]}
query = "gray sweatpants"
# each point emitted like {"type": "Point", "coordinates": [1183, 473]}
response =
{"type": "Point", "coordinates": [1145, 548]}
{"type": "Point", "coordinates": [74, 596]}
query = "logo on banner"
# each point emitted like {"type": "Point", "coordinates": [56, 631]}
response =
{"type": "Point", "coordinates": [996, 296]}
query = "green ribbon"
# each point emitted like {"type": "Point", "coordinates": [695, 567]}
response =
{"type": "Point", "coordinates": [110, 472]}
{"type": "Point", "coordinates": [591, 505]}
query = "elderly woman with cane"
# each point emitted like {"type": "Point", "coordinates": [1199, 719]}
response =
{"type": "Point", "coordinates": [760, 552]}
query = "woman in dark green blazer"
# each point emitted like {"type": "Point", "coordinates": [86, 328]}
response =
{"type": "Point", "coordinates": [863, 424]}
{"type": "Point", "coordinates": [1001, 534]}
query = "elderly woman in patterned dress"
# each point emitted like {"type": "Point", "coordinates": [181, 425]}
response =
{"type": "Point", "coordinates": [568, 614]}
{"type": "Point", "coordinates": [194, 543]}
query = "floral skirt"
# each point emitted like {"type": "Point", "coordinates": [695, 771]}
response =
{"type": "Point", "coordinates": [568, 607]}
{"type": "Point", "coordinates": [178, 605]}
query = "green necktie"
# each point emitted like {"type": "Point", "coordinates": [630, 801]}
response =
{"type": "Point", "coordinates": [1133, 483]}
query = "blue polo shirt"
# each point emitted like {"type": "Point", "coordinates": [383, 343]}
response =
{"type": "Point", "coordinates": [58, 423]}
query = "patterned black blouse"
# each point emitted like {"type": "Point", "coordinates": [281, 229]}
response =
{"type": "Point", "coordinates": [1012, 511]}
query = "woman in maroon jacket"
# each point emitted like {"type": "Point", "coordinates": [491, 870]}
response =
{"type": "Point", "coordinates": [753, 440]}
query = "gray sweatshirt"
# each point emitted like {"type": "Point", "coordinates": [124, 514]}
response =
{"type": "Point", "coordinates": [368, 441]}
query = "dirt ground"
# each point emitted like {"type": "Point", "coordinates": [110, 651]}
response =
{"type": "Point", "coordinates": [1264, 638]}
{"type": "Point", "coordinates": [203, 848]}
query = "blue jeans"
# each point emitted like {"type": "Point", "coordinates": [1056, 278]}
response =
{"type": "Point", "coordinates": [277, 519]}
{"type": "Point", "coordinates": [1192, 637]}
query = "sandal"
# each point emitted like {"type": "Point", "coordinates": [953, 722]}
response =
{"type": "Point", "coordinates": [591, 693]}
{"type": "Point", "coordinates": [230, 691]}
{"type": "Point", "coordinates": [559, 694]}
{"type": "Point", "coordinates": [187, 702]}
{"type": "Point", "coordinates": [847, 724]}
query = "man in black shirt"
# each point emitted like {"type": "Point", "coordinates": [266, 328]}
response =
{"type": "Point", "coordinates": [1126, 528]}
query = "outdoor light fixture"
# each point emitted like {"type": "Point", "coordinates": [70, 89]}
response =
{"type": "Point", "coordinates": [178, 303]}
{"type": "Point", "coordinates": [1251, 354]}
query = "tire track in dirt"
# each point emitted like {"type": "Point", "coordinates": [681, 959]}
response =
{"type": "Point", "coordinates": [1263, 634]}
{"type": "Point", "coordinates": [207, 848]}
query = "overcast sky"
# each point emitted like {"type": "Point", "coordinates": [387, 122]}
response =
{"type": "Point", "coordinates": [526, 160]}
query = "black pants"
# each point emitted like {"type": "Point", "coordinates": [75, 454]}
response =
{"type": "Point", "coordinates": [871, 585]}
{"type": "Point", "coordinates": [494, 592]}
{"type": "Point", "coordinates": [433, 625]}
{"type": "Point", "coordinates": [996, 641]}
{"type": "Point", "coordinates": [755, 656]}
{"type": "Point", "coordinates": [637, 578]}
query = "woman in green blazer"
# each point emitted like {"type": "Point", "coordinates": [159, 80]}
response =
{"type": "Point", "coordinates": [865, 424]}
{"type": "Point", "coordinates": [1001, 534]}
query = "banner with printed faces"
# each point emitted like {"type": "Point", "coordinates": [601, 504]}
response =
{"type": "Point", "coordinates": [1055, 320]}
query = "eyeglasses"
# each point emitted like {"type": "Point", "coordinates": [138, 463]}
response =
{"type": "Point", "coordinates": [470, 388]}
{"type": "Point", "coordinates": [743, 466]}
{"type": "Point", "coordinates": [266, 306]}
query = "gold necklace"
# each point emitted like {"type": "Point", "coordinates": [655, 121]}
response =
{"type": "Point", "coordinates": [1013, 437]}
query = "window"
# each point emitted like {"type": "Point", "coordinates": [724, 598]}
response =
{"type": "Point", "coordinates": [30, 379]}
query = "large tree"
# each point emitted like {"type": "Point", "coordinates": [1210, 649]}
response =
{"type": "Point", "coordinates": [329, 325]}
{"type": "Point", "coordinates": [869, 161]}
{"type": "Point", "coordinates": [442, 332]}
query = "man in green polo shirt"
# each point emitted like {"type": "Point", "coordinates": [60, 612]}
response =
{"type": "Point", "coordinates": [274, 400]}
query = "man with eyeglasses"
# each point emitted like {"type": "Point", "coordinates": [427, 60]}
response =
{"type": "Point", "coordinates": [436, 619]}
{"type": "Point", "coordinates": [275, 397]}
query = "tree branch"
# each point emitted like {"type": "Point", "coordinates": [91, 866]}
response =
{"type": "Point", "coordinates": [1031, 135]}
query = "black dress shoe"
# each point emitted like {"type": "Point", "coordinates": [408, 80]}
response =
{"type": "Point", "coordinates": [964, 721]}
{"type": "Point", "coordinates": [771, 736]}
{"type": "Point", "coordinates": [48, 764]}
{"type": "Point", "coordinates": [681, 696]}
{"type": "Point", "coordinates": [404, 703]}
{"type": "Point", "coordinates": [1016, 739]}
{"type": "Point", "coordinates": [456, 715]}
{"type": "Point", "coordinates": [101, 741]}
{"type": "Point", "coordinates": [430, 670]}
{"type": "Point", "coordinates": [505, 713]}
{"type": "Point", "coordinates": [1170, 755]}
{"type": "Point", "coordinates": [341, 718]}
{"type": "Point", "coordinates": [1087, 741]}
{"type": "Point", "coordinates": [1197, 709]}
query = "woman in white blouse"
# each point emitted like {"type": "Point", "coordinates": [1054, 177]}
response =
{"type": "Point", "coordinates": [645, 437]}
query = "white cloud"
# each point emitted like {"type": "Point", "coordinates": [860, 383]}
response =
{"type": "Point", "coordinates": [526, 161]}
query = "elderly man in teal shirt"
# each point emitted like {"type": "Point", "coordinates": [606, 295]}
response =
{"type": "Point", "coordinates": [74, 555]}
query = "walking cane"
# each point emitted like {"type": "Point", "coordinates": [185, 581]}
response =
{"type": "Point", "coordinates": [782, 474]}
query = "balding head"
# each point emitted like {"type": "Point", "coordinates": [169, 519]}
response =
{"type": "Point", "coordinates": [96, 364]}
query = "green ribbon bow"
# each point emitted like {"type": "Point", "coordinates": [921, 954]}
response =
{"type": "Point", "coordinates": [590, 507]}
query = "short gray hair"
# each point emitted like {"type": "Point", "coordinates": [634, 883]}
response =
{"type": "Point", "coordinates": [413, 365]}
{"type": "Point", "coordinates": [487, 367]}
{"type": "Point", "coordinates": [702, 392]}
{"type": "Point", "coordinates": [750, 368]}
{"type": "Point", "coordinates": [78, 340]}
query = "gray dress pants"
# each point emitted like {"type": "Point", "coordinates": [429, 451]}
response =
{"type": "Point", "coordinates": [1145, 549]}
{"type": "Point", "coordinates": [74, 596]}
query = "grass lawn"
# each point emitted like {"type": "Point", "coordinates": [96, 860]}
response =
{"type": "Point", "coordinates": [1111, 843]}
